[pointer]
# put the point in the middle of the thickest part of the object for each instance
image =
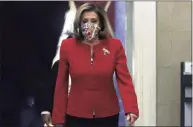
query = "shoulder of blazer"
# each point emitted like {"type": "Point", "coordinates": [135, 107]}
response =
{"type": "Point", "coordinates": [67, 43]}
{"type": "Point", "coordinates": [115, 42]}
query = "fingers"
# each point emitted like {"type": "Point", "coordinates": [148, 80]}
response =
{"type": "Point", "coordinates": [131, 118]}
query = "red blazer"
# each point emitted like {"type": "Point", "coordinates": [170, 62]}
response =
{"type": "Point", "coordinates": [92, 90]}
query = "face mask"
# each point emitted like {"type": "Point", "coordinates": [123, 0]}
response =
{"type": "Point", "coordinates": [90, 30]}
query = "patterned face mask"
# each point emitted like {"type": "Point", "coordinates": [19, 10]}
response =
{"type": "Point", "coordinates": [90, 30]}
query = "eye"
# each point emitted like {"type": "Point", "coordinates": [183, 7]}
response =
{"type": "Point", "coordinates": [94, 21]}
{"type": "Point", "coordinates": [84, 21]}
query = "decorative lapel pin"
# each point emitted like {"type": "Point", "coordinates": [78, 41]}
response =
{"type": "Point", "coordinates": [106, 51]}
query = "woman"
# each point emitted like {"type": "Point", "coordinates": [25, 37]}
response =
{"type": "Point", "coordinates": [91, 57]}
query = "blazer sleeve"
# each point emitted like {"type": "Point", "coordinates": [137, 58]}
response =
{"type": "Point", "coordinates": [124, 82]}
{"type": "Point", "coordinates": [61, 89]}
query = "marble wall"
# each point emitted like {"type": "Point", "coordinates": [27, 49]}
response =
{"type": "Point", "coordinates": [173, 46]}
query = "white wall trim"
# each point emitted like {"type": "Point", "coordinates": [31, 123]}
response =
{"type": "Point", "coordinates": [144, 60]}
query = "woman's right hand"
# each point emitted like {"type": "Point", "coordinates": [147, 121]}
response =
{"type": "Point", "coordinates": [47, 120]}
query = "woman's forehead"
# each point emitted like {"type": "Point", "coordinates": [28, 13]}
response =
{"type": "Point", "coordinates": [89, 14]}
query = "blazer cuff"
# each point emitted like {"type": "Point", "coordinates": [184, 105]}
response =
{"type": "Point", "coordinates": [136, 113]}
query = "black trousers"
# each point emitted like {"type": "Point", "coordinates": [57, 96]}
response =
{"type": "Point", "coordinates": [111, 121]}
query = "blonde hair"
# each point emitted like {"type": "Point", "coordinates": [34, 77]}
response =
{"type": "Point", "coordinates": [105, 30]}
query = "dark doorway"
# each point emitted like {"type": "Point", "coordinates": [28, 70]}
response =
{"type": "Point", "coordinates": [29, 33]}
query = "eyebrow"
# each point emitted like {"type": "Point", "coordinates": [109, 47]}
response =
{"type": "Point", "coordinates": [91, 18]}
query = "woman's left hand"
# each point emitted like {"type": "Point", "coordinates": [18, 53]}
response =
{"type": "Point", "coordinates": [131, 118]}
